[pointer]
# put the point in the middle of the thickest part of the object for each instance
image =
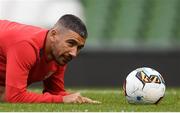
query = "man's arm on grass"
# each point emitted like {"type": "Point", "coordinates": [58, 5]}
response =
{"type": "Point", "coordinates": [20, 59]}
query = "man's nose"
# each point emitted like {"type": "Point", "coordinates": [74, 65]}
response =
{"type": "Point", "coordinates": [73, 52]}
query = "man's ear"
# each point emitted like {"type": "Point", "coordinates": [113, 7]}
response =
{"type": "Point", "coordinates": [53, 34]}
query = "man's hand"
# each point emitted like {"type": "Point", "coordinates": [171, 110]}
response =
{"type": "Point", "coordinates": [77, 98]}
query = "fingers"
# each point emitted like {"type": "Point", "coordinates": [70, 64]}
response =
{"type": "Point", "coordinates": [87, 100]}
{"type": "Point", "coordinates": [77, 98]}
{"type": "Point", "coordinates": [96, 102]}
{"type": "Point", "coordinates": [90, 101]}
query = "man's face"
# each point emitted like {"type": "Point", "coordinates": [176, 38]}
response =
{"type": "Point", "coordinates": [66, 46]}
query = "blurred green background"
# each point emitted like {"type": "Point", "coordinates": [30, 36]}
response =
{"type": "Point", "coordinates": [132, 24]}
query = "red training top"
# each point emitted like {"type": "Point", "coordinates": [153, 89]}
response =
{"type": "Point", "coordinates": [22, 63]}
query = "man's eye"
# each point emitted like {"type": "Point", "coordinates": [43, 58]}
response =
{"type": "Point", "coordinates": [80, 47]}
{"type": "Point", "coordinates": [71, 43]}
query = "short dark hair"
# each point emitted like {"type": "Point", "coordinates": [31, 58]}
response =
{"type": "Point", "coordinates": [73, 23]}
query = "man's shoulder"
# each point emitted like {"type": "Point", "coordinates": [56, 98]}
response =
{"type": "Point", "coordinates": [25, 47]}
{"type": "Point", "coordinates": [22, 52]}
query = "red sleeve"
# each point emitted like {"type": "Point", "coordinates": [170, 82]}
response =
{"type": "Point", "coordinates": [55, 83]}
{"type": "Point", "coordinates": [20, 59]}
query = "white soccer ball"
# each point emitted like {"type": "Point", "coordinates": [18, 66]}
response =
{"type": "Point", "coordinates": [144, 85]}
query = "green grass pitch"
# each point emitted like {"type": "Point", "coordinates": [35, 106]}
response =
{"type": "Point", "coordinates": [112, 100]}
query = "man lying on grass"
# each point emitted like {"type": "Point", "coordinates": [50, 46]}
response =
{"type": "Point", "coordinates": [30, 54]}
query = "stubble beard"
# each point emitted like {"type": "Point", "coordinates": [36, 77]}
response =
{"type": "Point", "coordinates": [58, 59]}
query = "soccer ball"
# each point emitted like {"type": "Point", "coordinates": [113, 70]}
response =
{"type": "Point", "coordinates": [144, 85]}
